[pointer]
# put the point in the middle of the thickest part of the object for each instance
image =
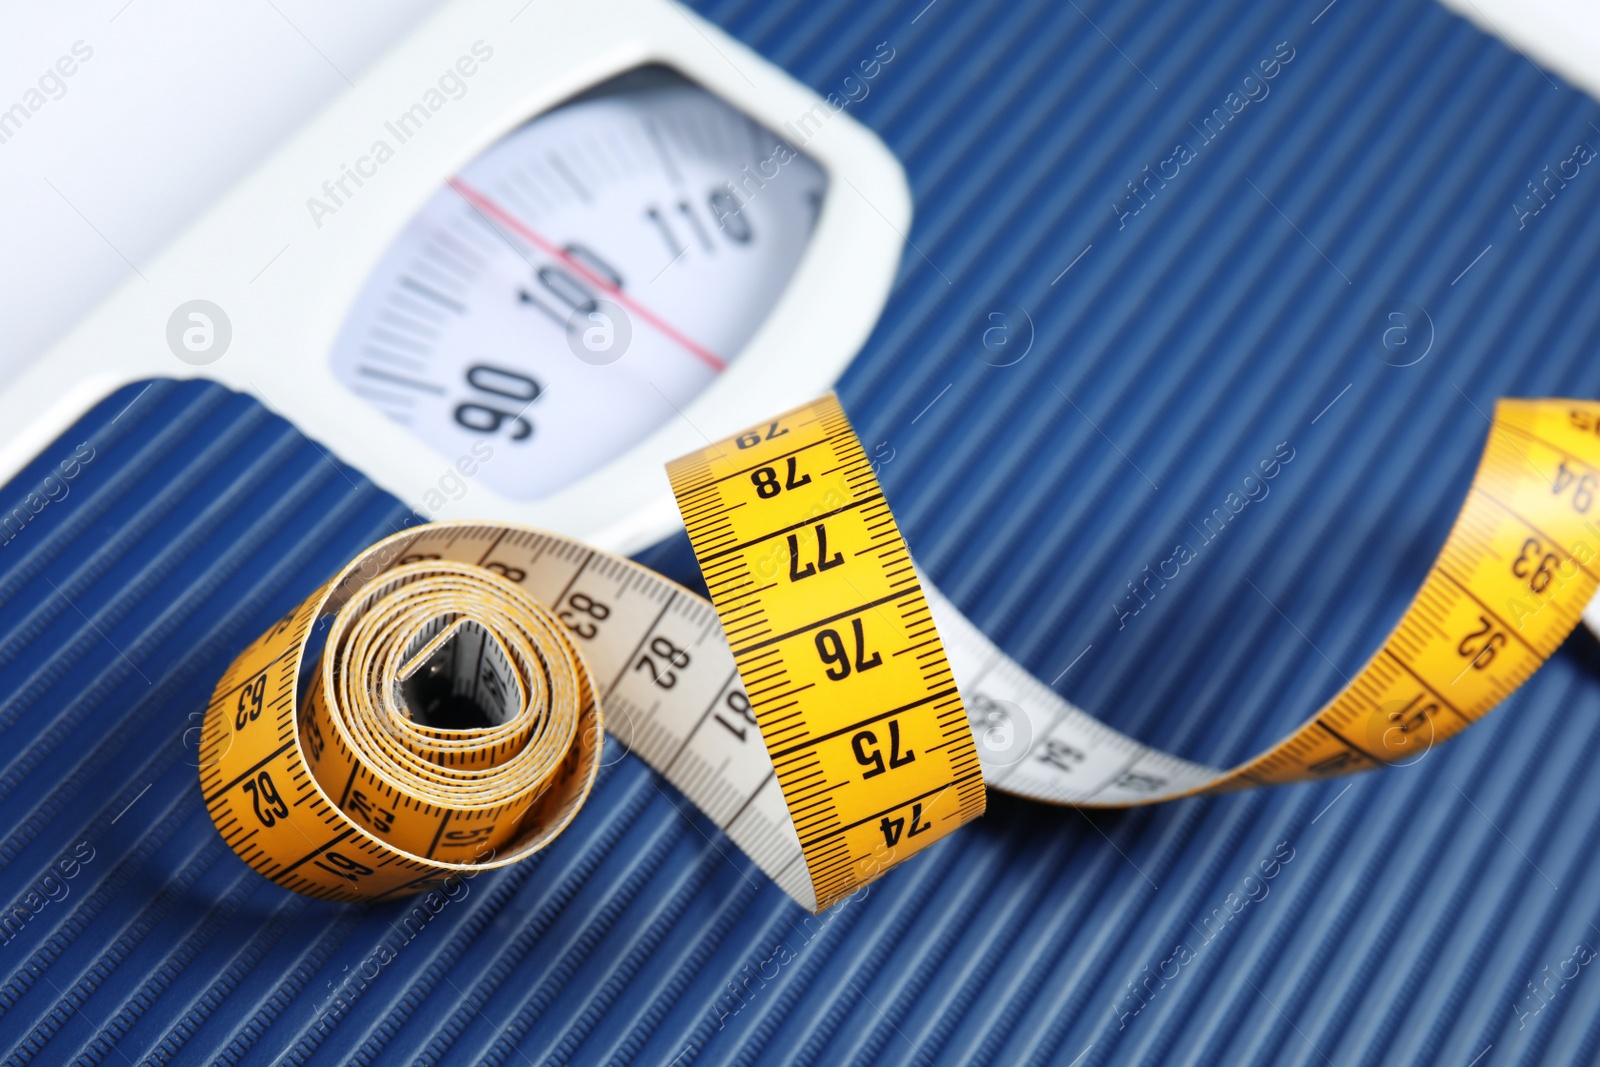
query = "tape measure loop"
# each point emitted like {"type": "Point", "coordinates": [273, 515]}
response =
{"type": "Point", "coordinates": [451, 726]}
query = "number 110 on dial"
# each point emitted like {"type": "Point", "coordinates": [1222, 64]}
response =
{"type": "Point", "coordinates": [581, 280]}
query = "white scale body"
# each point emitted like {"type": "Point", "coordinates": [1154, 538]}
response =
{"type": "Point", "coordinates": [424, 226]}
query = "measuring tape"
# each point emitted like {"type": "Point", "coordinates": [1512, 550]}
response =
{"type": "Point", "coordinates": [454, 677]}
{"type": "Point", "coordinates": [1507, 588]}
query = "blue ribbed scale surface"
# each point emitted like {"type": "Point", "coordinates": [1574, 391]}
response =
{"type": "Point", "coordinates": [1178, 351]}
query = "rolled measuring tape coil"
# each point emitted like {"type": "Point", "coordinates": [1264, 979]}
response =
{"type": "Point", "coordinates": [452, 719]}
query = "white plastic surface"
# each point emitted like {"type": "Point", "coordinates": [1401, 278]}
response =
{"type": "Point", "coordinates": [284, 277]}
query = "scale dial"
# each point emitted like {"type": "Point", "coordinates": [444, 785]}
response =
{"type": "Point", "coordinates": [579, 282]}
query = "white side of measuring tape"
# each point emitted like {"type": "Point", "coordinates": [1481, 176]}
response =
{"type": "Point", "coordinates": [1013, 714]}
{"type": "Point", "coordinates": [1018, 722]}
{"type": "Point", "coordinates": [1034, 742]}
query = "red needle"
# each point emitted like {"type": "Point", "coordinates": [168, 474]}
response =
{"type": "Point", "coordinates": [511, 222]}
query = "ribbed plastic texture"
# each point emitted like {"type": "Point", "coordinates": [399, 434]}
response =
{"type": "Point", "coordinates": [1395, 918]}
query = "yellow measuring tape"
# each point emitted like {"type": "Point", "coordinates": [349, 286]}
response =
{"type": "Point", "coordinates": [436, 707]}
{"type": "Point", "coordinates": [835, 642]}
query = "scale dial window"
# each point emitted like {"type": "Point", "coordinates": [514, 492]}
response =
{"type": "Point", "coordinates": [581, 281]}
